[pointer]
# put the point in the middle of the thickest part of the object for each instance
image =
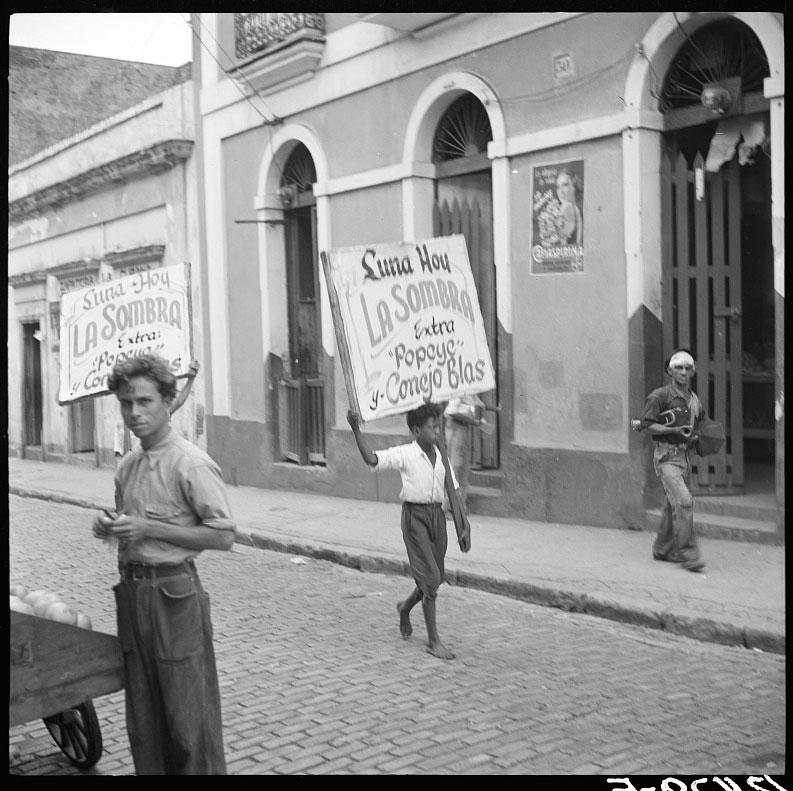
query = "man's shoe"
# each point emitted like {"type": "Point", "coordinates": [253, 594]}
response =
{"type": "Point", "coordinates": [694, 565]}
{"type": "Point", "coordinates": [670, 559]}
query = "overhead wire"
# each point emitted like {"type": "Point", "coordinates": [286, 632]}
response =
{"type": "Point", "coordinates": [572, 85]}
{"type": "Point", "coordinates": [270, 121]}
{"type": "Point", "coordinates": [655, 91]}
{"type": "Point", "coordinates": [548, 93]}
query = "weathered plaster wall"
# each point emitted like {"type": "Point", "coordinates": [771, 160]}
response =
{"type": "Point", "coordinates": [571, 380]}
{"type": "Point", "coordinates": [155, 209]}
{"type": "Point", "coordinates": [576, 356]}
{"type": "Point", "coordinates": [241, 155]}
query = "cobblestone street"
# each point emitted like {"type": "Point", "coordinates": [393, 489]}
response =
{"type": "Point", "coordinates": [315, 678]}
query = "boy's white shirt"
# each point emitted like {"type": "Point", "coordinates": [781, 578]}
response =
{"type": "Point", "coordinates": [421, 482]}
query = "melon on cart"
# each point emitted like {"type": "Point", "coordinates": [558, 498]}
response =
{"type": "Point", "coordinates": [56, 671]}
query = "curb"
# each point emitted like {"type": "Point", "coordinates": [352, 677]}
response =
{"type": "Point", "coordinates": [702, 629]}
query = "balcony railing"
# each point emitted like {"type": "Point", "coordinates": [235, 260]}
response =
{"type": "Point", "coordinates": [258, 32]}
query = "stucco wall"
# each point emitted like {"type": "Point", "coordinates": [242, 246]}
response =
{"type": "Point", "coordinates": [241, 155]}
{"type": "Point", "coordinates": [576, 351]}
{"type": "Point", "coordinates": [570, 350]}
{"type": "Point", "coordinates": [153, 209]}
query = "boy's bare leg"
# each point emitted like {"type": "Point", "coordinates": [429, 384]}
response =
{"type": "Point", "coordinates": [434, 645]}
{"type": "Point", "coordinates": [404, 608]}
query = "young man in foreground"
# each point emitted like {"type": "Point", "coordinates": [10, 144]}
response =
{"type": "Point", "coordinates": [171, 505]}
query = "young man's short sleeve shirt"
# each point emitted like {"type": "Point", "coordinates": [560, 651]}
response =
{"type": "Point", "coordinates": [175, 483]}
{"type": "Point", "coordinates": [666, 406]}
{"type": "Point", "coordinates": [422, 482]}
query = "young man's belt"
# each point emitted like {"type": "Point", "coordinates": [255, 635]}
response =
{"type": "Point", "coordinates": [144, 571]}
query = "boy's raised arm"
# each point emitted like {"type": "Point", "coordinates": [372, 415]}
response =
{"type": "Point", "coordinates": [366, 452]}
{"type": "Point", "coordinates": [181, 396]}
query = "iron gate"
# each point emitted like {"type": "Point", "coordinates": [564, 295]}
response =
{"type": "Point", "coordinates": [702, 299]}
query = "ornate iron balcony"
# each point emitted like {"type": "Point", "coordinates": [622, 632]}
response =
{"type": "Point", "coordinates": [257, 32]}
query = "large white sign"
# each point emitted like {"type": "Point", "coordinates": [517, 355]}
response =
{"type": "Point", "coordinates": [408, 324]}
{"type": "Point", "coordinates": [105, 323]}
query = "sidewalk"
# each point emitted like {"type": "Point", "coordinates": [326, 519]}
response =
{"type": "Point", "coordinates": [739, 600]}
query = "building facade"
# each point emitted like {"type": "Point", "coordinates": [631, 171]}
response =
{"type": "Point", "coordinates": [116, 198]}
{"type": "Point", "coordinates": [54, 95]}
{"type": "Point", "coordinates": [618, 178]}
{"type": "Point", "coordinates": [332, 130]}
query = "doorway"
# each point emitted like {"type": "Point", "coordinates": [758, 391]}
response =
{"type": "Point", "coordinates": [718, 295]}
{"type": "Point", "coordinates": [302, 391]}
{"type": "Point", "coordinates": [718, 300]}
{"type": "Point", "coordinates": [464, 205]}
{"type": "Point", "coordinates": [31, 386]}
{"type": "Point", "coordinates": [81, 418]}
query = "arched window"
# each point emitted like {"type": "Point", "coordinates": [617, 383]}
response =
{"type": "Point", "coordinates": [725, 53]}
{"type": "Point", "coordinates": [298, 177]}
{"type": "Point", "coordinates": [463, 131]}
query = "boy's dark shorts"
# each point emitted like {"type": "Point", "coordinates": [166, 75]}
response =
{"type": "Point", "coordinates": [424, 532]}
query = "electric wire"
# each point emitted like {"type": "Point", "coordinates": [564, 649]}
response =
{"type": "Point", "coordinates": [275, 119]}
{"type": "Point", "coordinates": [268, 123]}
{"type": "Point", "coordinates": [572, 85]}
{"type": "Point", "coordinates": [654, 91]}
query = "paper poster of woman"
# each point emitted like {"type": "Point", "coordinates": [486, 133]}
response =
{"type": "Point", "coordinates": [558, 218]}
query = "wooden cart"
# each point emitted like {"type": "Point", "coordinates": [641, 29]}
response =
{"type": "Point", "coordinates": [56, 671]}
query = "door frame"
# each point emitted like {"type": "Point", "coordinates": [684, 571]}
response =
{"type": "Point", "coordinates": [725, 319]}
{"type": "Point", "coordinates": [701, 257]}
{"type": "Point", "coordinates": [304, 205]}
{"type": "Point", "coordinates": [486, 450]}
{"type": "Point", "coordinates": [302, 399]}
{"type": "Point", "coordinates": [31, 364]}
{"type": "Point", "coordinates": [642, 145]}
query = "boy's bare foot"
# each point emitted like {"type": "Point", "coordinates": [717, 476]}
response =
{"type": "Point", "coordinates": [404, 620]}
{"type": "Point", "coordinates": [440, 650]}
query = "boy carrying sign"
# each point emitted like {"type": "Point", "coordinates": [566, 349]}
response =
{"type": "Point", "coordinates": [423, 475]}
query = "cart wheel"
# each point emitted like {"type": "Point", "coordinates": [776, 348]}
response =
{"type": "Point", "coordinates": [76, 731]}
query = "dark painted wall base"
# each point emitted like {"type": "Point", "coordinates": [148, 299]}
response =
{"type": "Point", "coordinates": [542, 485]}
{"type": "Point", "coordinates": [600, 489]}
{"type": "Point", "coordinates": [57, 454]}
{"type": "Point", "coordinates": [242, 448]}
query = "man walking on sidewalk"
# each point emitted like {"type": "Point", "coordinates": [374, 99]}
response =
{"type": "Point", "coordinates": [172, 505]}
{"type": "Point", "coordinates": [672, 414]}
{"type": "Point", "coordinates": [423, 521]}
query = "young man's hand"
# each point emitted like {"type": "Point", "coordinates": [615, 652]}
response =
{"type": "Point", "coordinates": [354, 419]}
{"type": "Point", "coordinates": [130, 528]}
{"type": "Point", "coordinates": [464, 539]}
{"type": "Point", "coordinates": [102, 525]}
